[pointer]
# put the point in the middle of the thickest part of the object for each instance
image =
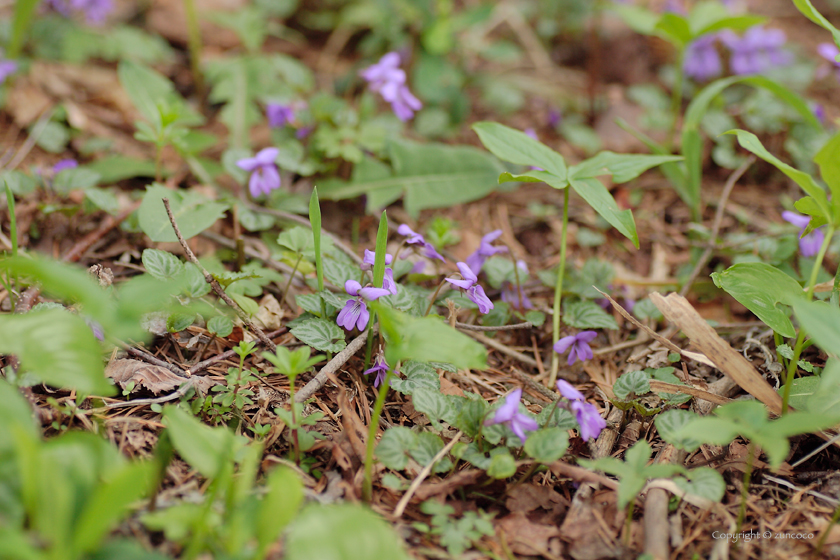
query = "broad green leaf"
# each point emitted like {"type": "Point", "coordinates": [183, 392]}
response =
{"type": "Point", "coordinates": [192, 212]}
{"type": "Point", "coordinates": [78, 178]}
{"type": "Point", "coordinates": [502, 465]}
{"type": "Point", "coordinates": [622, 167]}
{"type": "Point", "coordinates": [206, 449]}
{"type": "Point", "coordinates": [342, 532]}
{"type": "Point", "coordinates": [587, 315]}
{"type": "Point", "coordinates": [427, 339]}
{"type": "Point", "coordinates": [547, 445]}
{"type": "Point", "coordinates": [394, 447]}
{"type": "Point", "coordinates": [320, 334]}
{"type": "Point", "coordinates": [512, 145]}
{"type": "Point", "coordinates": [281, 503]}
{"type": "Point", "coordinates": [109, 503]}
{"type": "Point", "coordinates": [535, 176]}
{"type": "Point", "coordinates": [669, 424]}
{"type": "Point", "coordinates": [802, 390]}
{"type": "Point", "coordinates": [427, 446]}
{"type": "Point", "coordinates": [429, 175]}
{"type": "Point", "coordinates": [826, 400]}
{"type": "Point", "coordinates": [116, 168]}
{"type": "Point", "coordinates": [296, 239]}
{"type": "Point", "coordinates": [248, 305]}
{"type": "Point", "coordinates": [147, 89]}
{"type": "Point", "coordinates": [16, 415]}
{"type": "Point", "coordinates": [416, 375]}
{"type": "Point", "coordinates": [632, 385]}
{"type": "Point", "coordinates": [338, 272]}
{"type": "Point", "coordinates": [58, 348]}
{"type": "Point", "coordinates": [760, 288]}
{"type": "Point", "coordinates": [705, 482]}
{"type": "Point", "coordinates": [600, 199]}
{"type": "Point", "coordinates": [433, 404]}
{"type": "Point", "coordinates": [828, 158]}
{"type": "Point", "coordinates": [751, 142]}
{"type": "Point", "coordinates": [674, 28]}
{"type": "Point", "coordinates": [177, 322]}
{"type": "Point", "coordinates": [638, 19]}
{"type": "Point", "coordinates": [220, 326]}
{"type": "Point", "coordinates": [163, 265]}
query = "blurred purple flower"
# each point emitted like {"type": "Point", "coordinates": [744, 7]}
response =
{"type": "Point", "coordinates": [94, 11]}
{"type": "Point", "coordinates": [69, 163]}
{"type": "Point", "coordinates": [702, 60]}
{"type": "Point", "coordinates": [415, 238]}
{"type": "Point", "coordinates": [380, 367]}
{"type": "Point", "coordinates": [829, 51]}
{"type": "Point", "coordinates": [555, 117]}
{"type": "Point", "coordinates": [476, 260]}
{"type": "Point", "coordinates": [304, 131]}
{"type": "Point", "coordinates": [418, 267]}
{"type": "Point", "coordinates": [388, 79]}
{"type": "Point", "coordinates": [474, 290]}
{"type": "Point", "coordinates": [809, 245]}
{"type": "Point", "coordinates": [279, 115]}
{"type": "Point", "coordinates": [579, 344]}
{"type": "Point", "coordinates": [265, 177]}
{"type": "Point", "coordinates": [509, 414]}
{"type": "Point", "coordinates": [757, 50]}
{"type": "Point", "coordinates": [355, 312]}
{"type": "Point", "coordinates": [675, 6]}
{"type": "Point", "coordinates": [819, 112]}
{"type": "Point", "coordinates": [510, 295]}
{"type": "Point", "coordinates": [388, 281]}
{"type": "Point", "coordinates": [7, 68]}
{"type": "Point", "coordinates": [96, 328]}
{"type": "Point", "coordinates": [587, 415]}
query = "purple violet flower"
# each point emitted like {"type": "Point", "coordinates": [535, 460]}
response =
{"type": "Point", "coordinates": [415, 238]}
{"type": "Point", "coordinates": [69, 163]}
{"type": "Point", "coordinates": [587, 415]}
{"type": "Point", "coordinates": [579, 344]}
{"type": "Point", "coordinates": [7, 68]}
{"type": "Point", "coordinates": [675, 6]}
{"type": "Point", "coordinates": [304, 131]}
{"type": "Point", "coordinates": [355, 312]}
{"type": "Point", "coordinates": [474, 291]}
{"type": "Point", "coordinates": [265, 177]}
{"type": "Point", "coordinates": [476, 260]}
{"type": "Point", "coordinates": [509, 414]}
{"type": "Point", "coordinates": [279, 115]}
{"type": "Point", "coordinates": [94, 11]}
{"type": "Point", "coordinates": [702, 60]}
{"type": "Point", "coordinates": [555, 117]}
{"type": "Point", "coordinates": [388, 79]}
{"type": "Point", "coordinates": [510, 295]}
{"type": "Point", "coordinates": [757, 50]}
{"type": "Point", "coordinates": [819, 112]}
{"type": "Point", "coordinates": [388, 281]}
{"type": "Point", "coordinates": [829, 51]}
{"type": "Point", "coordinates": [96, 328]}
{"type": "Point", "coordinates": [380, 367]}
{"type": "Point", "coordinates": [370, 260]}
{"type": "Point", "coordinates": [809, 245]}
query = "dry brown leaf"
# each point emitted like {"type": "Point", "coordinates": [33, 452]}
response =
{"type": "Point", "coordinates": [524, 536]}
{"type": "Point", "coordinates": [528, 497]}
{"type": "Point", "coordinates": [270, 314]}
{"type": "Point", "coordinates": [156, 379]}
{"type": "Point", "coordinates": [677, 310]}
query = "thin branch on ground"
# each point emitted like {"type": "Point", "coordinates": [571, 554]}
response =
{"type": "Point", "coordinates": [421, 476]}
{"type": "Point", "coordinates": [517, 326]}
{"type": "Point", "coordinates": [332, 366]}
{"type": "Point", "coordinates": [215, 284]}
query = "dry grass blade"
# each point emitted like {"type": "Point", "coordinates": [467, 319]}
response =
{"type": "Point", "coordinates": [677, 310]}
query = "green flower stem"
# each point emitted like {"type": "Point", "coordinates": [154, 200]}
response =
{"type": "Point", "coordinates": [835, 291]}
{"type": "Point", "coordinates": [293, 427]}
{"type": "Point", "coordinates": [832, 523]}
{"type": "Point", "coordinates": [194, 42]}
{"type": "Point", "coordinates": [558, 290]}
{"type": "Point", "coordinates": [628, 522]}
{"type": "Point", "coordinates": [289, 283]}
{"type": "Point", "coordinates": [367, 485]}
{"type": "Point", "coordinates": [10, 201]}
{"type": "Point", "coordinates": [676, 100]}
{"type": "Point", "coordinates": [800, 337]}
{"type": "Point", "coordinates": [434, 297]}
{"type": "Point", "coordinates": [745, 488]}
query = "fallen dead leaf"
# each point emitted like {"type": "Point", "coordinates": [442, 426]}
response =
{"type": "Point", "coordinates": [270, 314]}
{"type": "Point", "coordinates": [524, 536]}
{"type": "Point", "coordinates": [677, 310]}
{"type": "Point", "coordinates": [528, 497]}
{"type": "Point", "coordinates": [156, 379]}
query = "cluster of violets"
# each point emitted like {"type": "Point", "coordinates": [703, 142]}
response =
{"type": "Point", "coordinates": [94, 11]}
{"type": "Point", "coordinates": [809, 245]}
{"type": "Point", "coordinates": [756, 51]}
{"type": "Point", "coordinates": [389, 80]}
{"type": "Point", "coordinates": [587, 416]}
{"type": "Point", "coordinates": [280, 115]}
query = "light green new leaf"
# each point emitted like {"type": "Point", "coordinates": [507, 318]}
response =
{"type": "Point", "coordinates": [760, 287]}
{"type": "Point", "coordinates": [193, 213]}
{"type": "Point", "coordinates": [147, 89]}
{"type": "Point", "coordinates": [58, 348]}
{"type": "Point", "coordinates": [342, 532]}
{"type": "Point", "coordinates": [206, 449]}
{"type": "Point", "coordinates": [600, 199]}
{"type": "Point", "coordinates": [281, 503]}
{"type": "Point", "coordinates": [427, 339]}
{"type": "Point", "coordinates": [512, 145]}
{"type": "Point", "coordinates": [751, 142]}
{"type": "Point", "coordinates": [705, 482]}
{"type": "Point", "coordinates": [828, 158]}
{"type": "Point", "coordinates": [547, 445]}
{"type": "Point", "coordinates": [622, 167]}
{"type": "Point", "coordinates": [394, 447]}
{"type": "Point", "coordinates": [811, 13]}
{"type": "Point", "coordinates": [535, 176]}
{"type": "Point", "coordinates": [826, 399]}
{"type": "Point", "coordinates": [821, 322]}
{"type": "Point", "coordinates": [163, 265]}
{"type": "Point", "coordinates": [670, 422]}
